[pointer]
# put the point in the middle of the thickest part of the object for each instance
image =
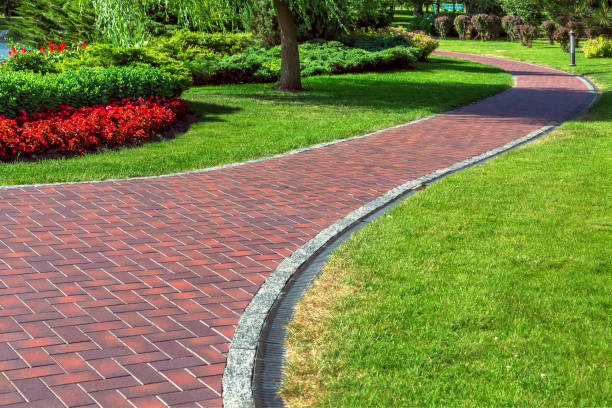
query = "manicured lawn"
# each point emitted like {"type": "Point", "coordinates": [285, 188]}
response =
{"type": "Point", "coordinates": [489, 288]}
{"type": "Point", "coordinates": [241, 122]}
{"type": "Point", "coordinates": [402, 18]}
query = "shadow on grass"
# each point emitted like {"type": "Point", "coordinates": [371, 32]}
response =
{"type": "Point", "coordinates": [375, 91]}
{"type": "Point", "coordinates": [378, 94]}
{"type": "Point", "coordinates": [206, 111]}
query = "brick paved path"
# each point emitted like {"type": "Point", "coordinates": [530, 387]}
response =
{"type": "Point", "coordinates": [126, 293]}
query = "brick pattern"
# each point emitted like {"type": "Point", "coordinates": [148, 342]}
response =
{"type": "Point", "coordinates": [127, 293]}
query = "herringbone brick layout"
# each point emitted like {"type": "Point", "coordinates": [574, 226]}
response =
{"type": "Point", "coordinates": [126, 293]}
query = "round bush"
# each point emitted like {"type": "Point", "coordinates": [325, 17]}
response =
{"type": "Point", "coordinates": [495, 27]}
{"type": "Point", "coordinates": [562, 37]}
{"type": "Point", "coordinates": [508, 23]}
{"type": "Point", "coordinates": [548, 27]}
{"type": "Point", "coordinates": [482, 25]}
{"type": "Point", "coordinates": [527, 34]}
{"type": "Point", "coordinates": [443, 25]}
{"type": "Point", "coordinates": [463, 26]}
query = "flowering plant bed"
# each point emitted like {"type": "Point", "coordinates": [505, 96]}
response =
{"type": "Point", "coordinates": [68, 131]}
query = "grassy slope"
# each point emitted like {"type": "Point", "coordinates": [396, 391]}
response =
{"type": "Point", "coordinates": [490, 288]}
{"type": "Point", "coordinates": [241, 122]}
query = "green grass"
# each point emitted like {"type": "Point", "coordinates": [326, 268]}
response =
{"type": "Point", "coordinates": [490, 288]}
{"type": "Point", "coordinates": [241, 122]}
{"type": "Point", "coordinates": [402, 18]}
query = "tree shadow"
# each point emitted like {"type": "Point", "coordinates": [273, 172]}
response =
{"type": "Point", "coordinates": [435, 64]}
{"type": "Point", "coordinates": [207, 112]}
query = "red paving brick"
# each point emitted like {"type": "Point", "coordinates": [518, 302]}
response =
{"type": "Point", "coordinates": [126, 293]}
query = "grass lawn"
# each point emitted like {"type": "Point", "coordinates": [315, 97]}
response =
{"type": "Point", "coordinates": [489, 288]}
{"type": "Point", "coordinates": [241, 122]}
{"type": "Point", "coordinates": [402, 18]}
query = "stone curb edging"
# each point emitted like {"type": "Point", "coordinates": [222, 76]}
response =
{"type": "Point", "coordinates": [238, 374]}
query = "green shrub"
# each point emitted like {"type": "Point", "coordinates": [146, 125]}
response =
{"type": "Point", "coordinates": [88, 86]}
{"type": "Point", "coordinates": [482, 25]}
{"type": "Point", "coordinates": [423, 23]}
{"type": "Point", "coordinates": [463, 26]}
{"type": "Point", "coordinates": [509, 24]}
{"type": "Point", "coordinates": [104, 56]}
{"type": "Point", "coordinates": [29, 61]}
{"type": "Point", "coordinates": [188, 45]}
{"type": "Point", "coordinates": [376, 40]}
{"type": "Point", "coordinates": [318, 57]}
{"type": "Point", "coordinates": [443, 25]}
{"type": "Point", "coordinates": [549, 27]}
{"type": "Point", "coordinates": [527, 34]}
{"type": "Point", "coordinates": [562, 36]}
{"type": "Point", "coordinates": [598, 47]}
{"type": "Point", "coordinates": [495, 27]}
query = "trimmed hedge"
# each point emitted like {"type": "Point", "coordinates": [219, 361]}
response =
{"type": "Point", "coordinates": [30, 92]}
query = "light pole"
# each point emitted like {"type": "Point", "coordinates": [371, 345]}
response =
{"type": "Point", "coordinates": [572, 49]}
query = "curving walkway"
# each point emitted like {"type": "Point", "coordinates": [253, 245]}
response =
{"type": "Point", "coordinates": [127, 293]}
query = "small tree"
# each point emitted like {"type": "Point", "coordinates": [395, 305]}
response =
{"type": "Point", "coordinates": [527, 34]}
{"type": "Point", "coordinates": [463, 26]}
{"type": "Point", "coordinates": [481, 24]}
{"type": "Point", "coordinates": [562, 36]}
{"type": "Point", "coordinates": [495, 27]}
{"type": "Point", "coordinates": [443, 25]}
{"type": "Point", "coordinates": [549, 27]}
{"type": "Point", "coordinates": [508, 24]}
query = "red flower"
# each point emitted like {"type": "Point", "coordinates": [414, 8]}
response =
{"type": "Point", "coordinates": [63, 46]}
{"type": "Point", "coordinates": [42, 49]}
{"type": "Point", "coordinates": [84, 45]}
{"type": "Point", "coordinates": [13, 49]}
{"type": "Point", "coordinates": [50, 47]}
{"type": "Point", "coordinates": [23, 50]}
{"type": "Point", "coordinates": [71, 131]}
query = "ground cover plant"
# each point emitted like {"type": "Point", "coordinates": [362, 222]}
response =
{"type": "Point", "coordinates": [240, 122]}
{"type": "Point", "coordinates": [261, 64]}
{"type": "Point", "coordinates": [489, 288]}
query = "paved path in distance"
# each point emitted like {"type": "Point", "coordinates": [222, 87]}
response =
{"type": "Point", "coordinates": [126, 293]}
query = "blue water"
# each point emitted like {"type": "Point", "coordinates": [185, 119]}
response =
{"type": "Point", "coordinates": [4, 49]}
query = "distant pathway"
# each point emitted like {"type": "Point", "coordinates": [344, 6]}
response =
{"type": "Point", "coordinates": [126, 293]}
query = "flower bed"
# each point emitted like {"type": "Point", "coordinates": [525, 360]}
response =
{"type": "Point", "coordinates": [68, 131]}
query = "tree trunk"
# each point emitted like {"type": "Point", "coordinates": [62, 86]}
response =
{"type": "Point", "coordinates": [418, 8]}
{"type": "Point", "coordinates": [291, 75]}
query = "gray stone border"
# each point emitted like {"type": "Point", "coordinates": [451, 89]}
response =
{"type": "Point", "coordinates": [238, 374]}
